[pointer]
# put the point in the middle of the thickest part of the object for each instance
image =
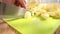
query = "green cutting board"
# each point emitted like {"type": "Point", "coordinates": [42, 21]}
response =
{"type": "Point", "coordinates": [34, 25]}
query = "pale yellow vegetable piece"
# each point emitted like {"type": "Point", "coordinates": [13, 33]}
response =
{"type": "Point", "coordinates": [58, 12]}
{"type": "Point", "coordinates": [28, 14]}
{"type": "Point", "coordinates": [38, 11]}
{"type": "Point", "coordinates": [54, 6]}
{"type": "Point", "coordinates": [45, 16]}
{"type": "Point", "coordinates": [52, 13]}
{"type": "Point", "coordinates": [44, 6]}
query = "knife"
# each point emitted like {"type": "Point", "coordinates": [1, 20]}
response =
{"type": "Point", "coordinates": [7, 11]}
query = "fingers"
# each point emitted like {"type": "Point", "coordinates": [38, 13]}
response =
{"type": "Point", "coordinates": [20, 3]}
{"type": "Point", "coordinates": [23, 3]}
{"type": "Point", "coordinates": [9, 1]}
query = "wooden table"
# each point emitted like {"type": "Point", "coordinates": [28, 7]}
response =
{"type": "Point", "coordinates": [6, 29]}
{"type": "Point", "coordinates": [57, 31]}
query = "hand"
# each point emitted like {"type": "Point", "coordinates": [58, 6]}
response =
{"type": "Point", "coordinates": [9, 1]}
{"type": "Point", "coordinates": [20, 3]}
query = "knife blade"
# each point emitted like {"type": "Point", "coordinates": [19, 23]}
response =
{"type": "Point", "coordinates": [7, 10]}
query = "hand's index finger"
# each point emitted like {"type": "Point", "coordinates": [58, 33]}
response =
{"type": "Point", "coordinates": [21, 3]}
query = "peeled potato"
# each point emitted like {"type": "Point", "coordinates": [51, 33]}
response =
{"type": "Point", "coordinates": [45, 16]}
{"type": "Point", "coordinates": [58, 14]}
{"type": "Point", "coordinates": [27, 14]}
{"type": "Point", "coordinates": [41, 11]}
{"type": "Point", "coordinates": [52, 14]}
{"type": "Point", "coordinates": [44, 6]}
{"type": "Point", "coordinates": [38, 11]}
{"type": "Point", "coordinates": [44, 11]}
{"type": "Point", "coordinates": [54, 7]}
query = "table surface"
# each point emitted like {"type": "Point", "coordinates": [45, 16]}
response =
{"type": "Point", "coordinates": [6, 29]}
{"type": "Point", "coordinates": [57, 31]}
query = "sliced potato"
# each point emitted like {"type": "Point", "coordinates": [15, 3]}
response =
{"type": "Point", "coordinates": [28, 14]}
{"type": "Point", "coordinates": [45, 16]}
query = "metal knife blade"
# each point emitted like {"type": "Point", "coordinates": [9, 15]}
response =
{"type": "Point", "coordinates": [7, 10]}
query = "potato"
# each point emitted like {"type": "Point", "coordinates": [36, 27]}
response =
{"type": "Point", "coordinates": [46, 10]}
{"type": "Point", "coordinates": [44, 6]}
{"type": "Point", "coordinates": [52, 14]}
{"type": "Point", "coordinates": [45, 16]}
{"type": "Point", "coordinates": [27, 14]}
